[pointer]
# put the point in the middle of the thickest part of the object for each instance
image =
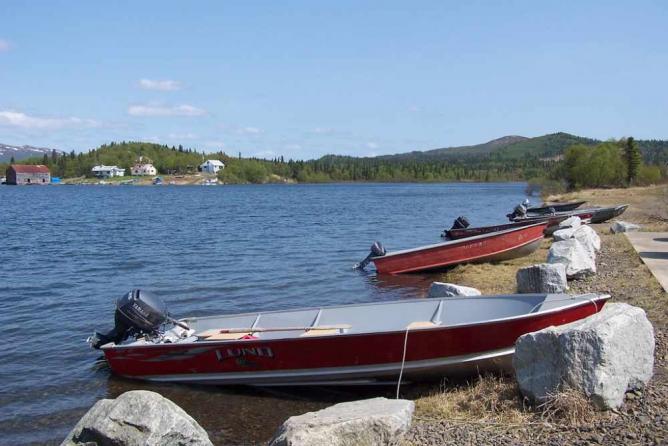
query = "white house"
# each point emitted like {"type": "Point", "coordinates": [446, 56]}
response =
{"type": "Point", "coordinates": [102, 171]}
{"type": "Point", "coordinates": [211, 166]}
{"type": "Point", "coordinates": [144, 169]}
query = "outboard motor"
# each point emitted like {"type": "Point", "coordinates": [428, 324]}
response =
{"type": "Point", "coordinates": [137, 312]}
{"type": "Point", "coordinates": [377, 250]}
{"type": "Point", "coordinates": [520, 211]}
{"type": "Point", "coordinates": [460, 222]}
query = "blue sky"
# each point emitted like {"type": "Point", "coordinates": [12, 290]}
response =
{"type": "Point", "coordinates": [302, 79]}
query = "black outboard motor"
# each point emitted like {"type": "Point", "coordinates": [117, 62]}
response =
{"type": "Point", "coordinates": [137, 312]}
{"type": "Point", "coordinates": [377, 250]}
{"type": "Point", "coordinates": [460, 222]}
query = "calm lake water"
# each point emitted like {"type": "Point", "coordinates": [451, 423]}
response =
{"type": "Point", "coordinates": [69, 251]}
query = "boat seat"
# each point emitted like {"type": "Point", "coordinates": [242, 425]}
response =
{"type": "Point", "coordinates": [330, 331]}
{"type": "Point", "coordinates": [215, 335]}
{"type": "Point", "coordinates": [420, 324]}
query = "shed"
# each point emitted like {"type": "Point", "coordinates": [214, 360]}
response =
{"type": "Point", "coordinates": [28, 174]}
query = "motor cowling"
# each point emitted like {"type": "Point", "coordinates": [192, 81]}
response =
{"type": "Point", "coordinates": [137, 312]}
{"type": "Point", "coordinates": [460, 222]}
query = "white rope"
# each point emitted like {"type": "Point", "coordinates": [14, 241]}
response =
{"type": "Point", "coordinates": [403, 361]}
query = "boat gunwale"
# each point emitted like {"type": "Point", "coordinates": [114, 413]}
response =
{"type": "Point", "coordinates": [582, 300]}
{"type": "Point", "coordinates": [459, 240]}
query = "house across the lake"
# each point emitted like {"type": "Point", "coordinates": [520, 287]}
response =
{"type": "Point", "coordinates": [211, 166]}
{"type": "Point", "coordinates": [28, 174]}
{"type": "Point", "coordinates": [144, 169]}
{"type": "Point", "coordinates": [102, 171]}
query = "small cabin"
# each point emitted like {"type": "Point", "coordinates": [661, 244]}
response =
{"type": "Point", "coordinates": [211, 166]}
{"type": "Point", "coordinates": [19, 174]}
{"type": "Point", "coordinates": [107, 171]}
{"type": "Point", "coordinates": [144, 169]}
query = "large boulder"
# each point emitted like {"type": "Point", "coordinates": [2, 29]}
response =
{"type": "Point", "coordinates": [441, 289]}
{"type": "Point", "coordinates": [542, 278]}
{"type": "Point", "coordinates": [571, 222]}
{"type": "Point", "coordinates": [578, 261]}
{"type": "Point", "coordinates": [374, 421]}
{"type": "Point", "coordinates": [589, 239]}
{"type": "Point", "coordinates": [564, 234]}
{"type": "Point", "coordinates": [622, 226]}
{"type": "Point", "coordinates": [137, 418]}
{"type": "Point", "coordinates": [602, 356]}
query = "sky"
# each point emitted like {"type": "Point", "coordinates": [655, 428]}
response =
{"type": "Point", "coordinates": [302, 79]}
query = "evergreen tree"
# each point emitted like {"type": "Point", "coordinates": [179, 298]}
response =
{"type": "Point", "coordinates": [11, 161]}
{"type": "Point", "coordinates": [632, 158]}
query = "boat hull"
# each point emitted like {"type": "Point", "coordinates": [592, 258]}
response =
{"type": "Point", "coordinates": [344, 359]}
{"type": "Point", "coordinates": [555, 207]}
{"type": "Point", "coordinates": [502, 245]}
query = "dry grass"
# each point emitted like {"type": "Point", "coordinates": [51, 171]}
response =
{"type": "Point", "coordinates": [566, 407]}
{"type": "Point", "coordinates": [495, 278]}
{"type": "Point", "coordinates": [489, 399]}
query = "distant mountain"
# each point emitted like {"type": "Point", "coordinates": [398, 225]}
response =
{"type": "Point", "coordinates": [23, 152]}
{"type": "Point", "coordinates": [506, 147]}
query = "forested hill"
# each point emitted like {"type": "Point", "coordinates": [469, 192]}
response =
{"type": "Point", "coordinates": [503, 159]}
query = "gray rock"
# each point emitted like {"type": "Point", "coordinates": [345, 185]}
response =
{"type": "Point", "coordinates": [622, 226]}
{"type": "Point", "coordinates": [375, 421]}
{"type": "Point", "coordinates": [571, 222]}
{"type": "Point", "coordinates": [601, 356]}
{"type": "Point", "coordinates": [589, 239]}
{"type": "Point", "coordinates": [578, 261]}
{"type": "Point", "coordinates": [137, 418]}
{"type": "Point", "coordinates": [564, 234]}
{"type": "Point", "coordinates": [441, 289]}
{"type": "Point", "coordinates": [542, 278]}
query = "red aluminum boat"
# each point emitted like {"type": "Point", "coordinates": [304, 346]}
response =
{"type": "Point", "coordinates": [489, 247]}
{"type": "Point", "coordinates": [346, 345]}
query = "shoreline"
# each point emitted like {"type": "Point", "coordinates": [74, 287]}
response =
{"type": "Point", "coordinates": [491, 410]}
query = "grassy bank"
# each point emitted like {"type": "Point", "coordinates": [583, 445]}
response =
{"type": "Point", "coordinates": [491, 410]}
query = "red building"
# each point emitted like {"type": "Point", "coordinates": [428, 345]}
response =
{"type": "Point", "coordinates": [28, 174]}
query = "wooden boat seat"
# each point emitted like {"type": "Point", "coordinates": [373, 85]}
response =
{"type": "Point", "coordinates": [420, 324]}
{"type": "Point", "coordinates": [215, 335]}
{"type": "Point", "coordinates": [329, 331]}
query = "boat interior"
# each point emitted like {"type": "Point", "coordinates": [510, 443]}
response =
{"type": "Point", "coordinates": [372, 318]}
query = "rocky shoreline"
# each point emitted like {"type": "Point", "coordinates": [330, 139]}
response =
{"type": "Point", "coordinates": [493, 411]}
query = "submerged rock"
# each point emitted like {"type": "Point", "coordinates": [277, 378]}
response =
{"type": "Point", "coordinates": [578, 261]}
{"type": "Point", "coordinates": [602, 356]}
{"type": "Point", "coordinates": [375, 421]}
{"type": "Point", "coordinates": [441, 289]}
{"type": "Point", "coordinates": [622, 226]}
{"type": "Point", "coordinates": [542, 278]}
{"type": "Point", "coordinates": [137, 418]}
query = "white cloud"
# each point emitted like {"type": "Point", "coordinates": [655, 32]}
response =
{"type": "Point", "coordinates": [161, 85]}
{"type": "Point", "coordinates": [4, 46]}
{"type": "Point", "coordinates": [372, 145]}
{"type": "Point", "coordinates": [214, 144]}
{"type": "Point", "coordinates": [164, 110]}
{"type": "Point", "coordinates": [413, 109]}
{"type": "Point", "coordinates": [250, 130]}
{"type": "Point", "coordinates": [10, 118]}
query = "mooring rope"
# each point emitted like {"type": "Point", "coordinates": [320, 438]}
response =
{"type": "Point", "coordinates": [403, 361]}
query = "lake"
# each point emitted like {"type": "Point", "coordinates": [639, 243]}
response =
{"type": "Point", "coordinates": [70, 251]}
